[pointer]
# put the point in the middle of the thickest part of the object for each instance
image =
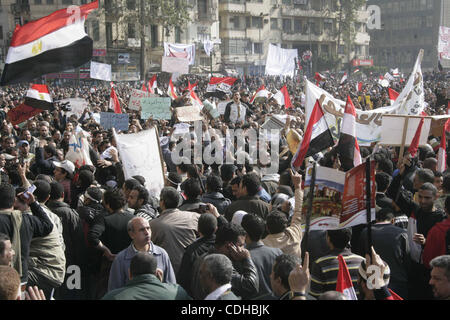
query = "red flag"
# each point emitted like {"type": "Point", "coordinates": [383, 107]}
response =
{"type": "Point", "coordinates": [319, 78]}
{"type": "Point", "coordinates": [394, 295]}
{"type": "Point", "coordinates": [344, 281]}
{"type": "Point", "coordinates": [114, 101]}
{"type": "Point", "coordinates": [261, 92]}
{"type": "Point", "coordinates": [287, 99]}
{"type": "Point", "coordinates": [152, 84]}
{"type": "Point", "coordinates": [144, 88]}
{"type": "Point", "coordinates": [317, 137]}
{"type": "Point", "coordinates": [171, 91]}
{"type": "Point", "coordinates": [359, 86]}
{"type": "Point", "coordinates": [393, 95]}
{"type": "Point", "coordinates": [415, 142]}
{"type": "Point", "coordinates": [442, 154]}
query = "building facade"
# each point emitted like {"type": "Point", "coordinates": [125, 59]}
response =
{"type": "Point", "coordinates": [406, 27]}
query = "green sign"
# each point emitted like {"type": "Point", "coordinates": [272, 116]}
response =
{"type": "Point", "coordinates": [158, 108]}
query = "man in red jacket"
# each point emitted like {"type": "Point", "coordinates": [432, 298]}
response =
{"type": "Point", "coordinates": [435, 244]}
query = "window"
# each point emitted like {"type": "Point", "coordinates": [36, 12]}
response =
{"type": "Point", "coordinates": [297, 25]}
{"type": "Point", "coordinates": [236, 46]}
{"type": "Point", "coordinates": [37, 1]}
{"type": "Point", "coordinates": [177, 34]}
{"type": "Point", "coordinates": [258, 47]}
{"type": "Point", "coordinates": [1, 32]}
{"type": "Point", "coordinates": [288, 2]}
{"type": "Point", "coordinates": [154, 35]}
{"type": "Point", "coordinates": [273, 24]}
{"type": "Point", "coordinates": [248, 22]}
{"type": "Point", "coordinates": [49, 2]}
{"type": "Point", "coordinates": [131, 4]}
{"type": "Point", "coordinates": [257, 22]}
{"type": "Point", "coordinates": [328, 25]}
{"type": "Point", "coordinates": [287, 27]}
{"type": "Point", "coordinates": [67, 1]}
{"type": "Point", "coordinates": [234, 22]}
{"type": "Point", "coordinates": [430, 4]}
{"type": "Point", "coordinates": [131, 31]}
{"type": "Point", "coordinates": [95, 30]}
{"type": "Point", "coordinates": [202, 6]}
{"type": "Point", "coordinates": [108, 27]}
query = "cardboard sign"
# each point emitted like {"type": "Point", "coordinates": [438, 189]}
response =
{"type": "Point", "coordinates": [172, 64]}
{"type": "Point", "coordinates": [77, 106]}
{"type": "Point", "coordinates": [393, 127]}
{"type": "Point", "coordinates": [181, 128]}
{"type": "Point", "coordinates": [158, 108]}
{"type": "Point", "coordinates": [188, 114]}
{"type": "Point", "coordinates": [354, 197]}
{"type": "Point", "coordinates": [118, 121]}
{"type": "Point", "coordinates": [135, 99]}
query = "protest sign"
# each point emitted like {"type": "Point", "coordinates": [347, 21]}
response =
{"type": "Point", "coordinates": [141, 155]}
{"type": "Point", "coordinates": [158, 108]}
{"type": "Point", "coordinates": [100, 71]}
{"type": "Point", "coordinates": [135, 99]}
{"type": "Point", "coordinates": [368, 123]}
{"type": "Point", "coordinates": [188, 114]}
{"type": "Point", "coordinates": [118, 121]}
{"type": "Point", "coordinates": [172, 64]}
{"type": "Point", "coordinates": [181, 128]}
{"type": "Point", "coordinates": [329, 186]}
{"type": "Point", "coordinates": [78, 151]}
{"type": "Point", "coordinates": [273, 123]}
{"type": "Point", "coordinates": [395, 127]}
{"type": "Point", "coordinates": [77, 106]}
{"type": "Point", "coordinates": [354, 197]}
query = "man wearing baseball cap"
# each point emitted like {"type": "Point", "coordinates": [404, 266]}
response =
{"type": "Point", "coordinates": [64, 172]}
{"type": "Point", "coordinates": [24, 151]}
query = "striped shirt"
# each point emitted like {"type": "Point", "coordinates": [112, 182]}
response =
{"type": "Point", "coordinates": [325, 270]}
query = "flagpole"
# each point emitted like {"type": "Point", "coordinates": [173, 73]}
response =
{"type": "Point", "coordinates": [368, 204]}
{"type": "Point", "coordinates": [309, 212]}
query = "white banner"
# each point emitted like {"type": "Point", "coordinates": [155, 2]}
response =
{"type": "Point", "coordinates": [280, 62]}
{"type": "Point", "coordinates": [175, 65]}
{"type": "Point", "coordinates": [179, 50]}
{"type": "Point", "coordinates": [444, 42]}
{"type": "Point", "coordinates": [77, 106]}
{"type": "Point", "coordinates": [368, 123]}
{"type": "Point", "coordinates": [140, 155]}
{"type": "Point", "coordinates": [78, 151]}
{"type": "Point", "coordinates": [101, 71]}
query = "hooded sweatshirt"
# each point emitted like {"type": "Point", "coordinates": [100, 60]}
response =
{"type": "Point", "coordinates": [435, 244]}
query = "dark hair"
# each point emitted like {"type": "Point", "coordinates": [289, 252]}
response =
{"type": "Point", "coordinates": [8, 196]}
{"type": "Point", "coordinates": [283, 266]}
{"type": "Point", "coordinates": [50, 150]}
{"type": "Point", "coordinates": [86, 178]}
{"type": "Point", "coordinates": [252, 183]}
{"type": "Point", "coordinates": [143, 263]}
{"type": "Point", "coordinates": [287, 190]}
{"type": "Point", "coordinates": [214, 183]}
{"type": "Point", "coordinates": [3, 239]}
{"type": "Point", "coordinates": [192, 188]}
{"type": "Point", "coordinates": [340, 238]}
{"type": "Point", "coordinates": [446, 182]}
{"type": "Point", "coordinates": [430, 187]}
{"type": "Point", "coordinates": [276, 222]}
{"type": "Point", "coordinates": [207, 224]}
{"type": "Point", "coordinates": [130, 184]}
{"type": "Point", "coordinates": [56, 191]}
{"type": "Point", "coordinates": [236, 180]}
{"type": "Point", "coordinates": [384, 214]}
{"type": "Point", "coordinates": [227, 171]}
{"type": "Point", "coordinates": [285, 178]}
{"type": "Point", "coordinates": [142, 193]}
{"type": "Point", "coordinates": [383, 181]}
{"type": "Point", "coordinates": [228, 232]}
{"type": "Point", "coordinates": [425, 175]}
{"type": "Point", "coordinates": [174, 178]}
{"type": "Point", "coordinates": [428, 163]}
{"type": "Point", "coordinates": [114, 198]}
{"type": "Point", "coordinates": [170, 197]}
{"type": "Point", "coordinates": [385, 165]}
{"type": "Point", "coordinates": [140, 179]}
{"type": "Point", "coordinates": [254, 226]}
{"type": "Point", "coordinates": [42, 191]}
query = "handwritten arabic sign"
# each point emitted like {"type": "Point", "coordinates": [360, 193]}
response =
{"type": "Point", "coordinates": [118, 121]}
{"type": "Point", "coordinates": [158, 108]}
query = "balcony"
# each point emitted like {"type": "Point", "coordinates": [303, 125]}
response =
{"type": "Point", "coordinates": [209, 16]}
{"type": "Point", "coordinates": [233, 34]}
{"type": "Point", "coordinates": [296, 12]}
{"type": "Point", "coordinates": [299, 37]}
{"type": "Point", "coordinates": [232, 7]}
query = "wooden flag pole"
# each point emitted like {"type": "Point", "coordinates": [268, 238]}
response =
{"type": "Point", "coordinates": [310, 207]}
{"type": "Point", "coordinates": [402, 147]}
{"type": "Point", "coordinates": [368, 204]}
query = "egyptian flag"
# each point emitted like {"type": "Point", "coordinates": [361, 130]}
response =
{"type": "Point", "coordinates": [348, 147]}
{"type": "Point", "coordinates": [319, 78]}
{"type": "Point", "coordinates": [144, 88]}
{"type": "Point", "coordinates": [219, 87]}
{"type": "Point", "coordinates": [114, 101]}
{"type": "Point", "coordinates": [37, 100]}
{"type": "Point", "coordinates": [152, 84]}
{"type": "Point", "coordinates": [344, 281]}
{"type": "Point", "coordinates": [317, 137]}
{"type": "Point", "coordinates": [51, 44]}
{"type": "Point", "coordinates": [356, 70]}
{"type": "Point", "coordinates": [282, 97]}
{"type": "Point", "coordinates": [415, 141]}
{"type": "Point", "coordinates": [359, 86]}
{"type": "Point", "coordinates": [392, 95]}
{"type": "Point", "coordinates": [442, 154]}
{"type": "Point", "coordinates": [260, 93]}
{"type": "Point", "coordinates": [195, 100]}
{"type": "Point", "coordinates": [344, 79]}
{"type": "Point", "coordinates": [171, 91]}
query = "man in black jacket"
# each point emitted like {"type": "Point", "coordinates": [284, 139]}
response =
{"type": "Point", "coordinates": [214, 194]}
{"type": "Point", "coordinates": [73, 238]}
{"type": "Point", "coordinates": [230, 240]}
{"type": "Point", "coordinates": [138, 199]}
{"type": "Point", "coordinates": [36, 225]}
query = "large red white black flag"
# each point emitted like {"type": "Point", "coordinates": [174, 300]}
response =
{"type": "Point", "coordinates": [53, 43]}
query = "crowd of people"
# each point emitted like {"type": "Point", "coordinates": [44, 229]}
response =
{"type": "Point", "coordinates": [216, 231]}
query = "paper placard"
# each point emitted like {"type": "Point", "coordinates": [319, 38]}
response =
{"type": "Point", "coordinates": [118, 121]}
{"type": "Point", "coordinates": [158, 108]}
{"type": "Point", "coordinates": [181, 128]}
{"type": "Point", "coordinates": [100, 71]}
{"type": "Point", "coordinates": [77, 106]}
{"type": "Point", "coordinates": [135, 99]}
{"type": "Point", "coordinates": [172, 65]}
{"type": "Point", "coordinates": [188, 114]}
{"type": "Point", "coordinates": [392, 130]}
